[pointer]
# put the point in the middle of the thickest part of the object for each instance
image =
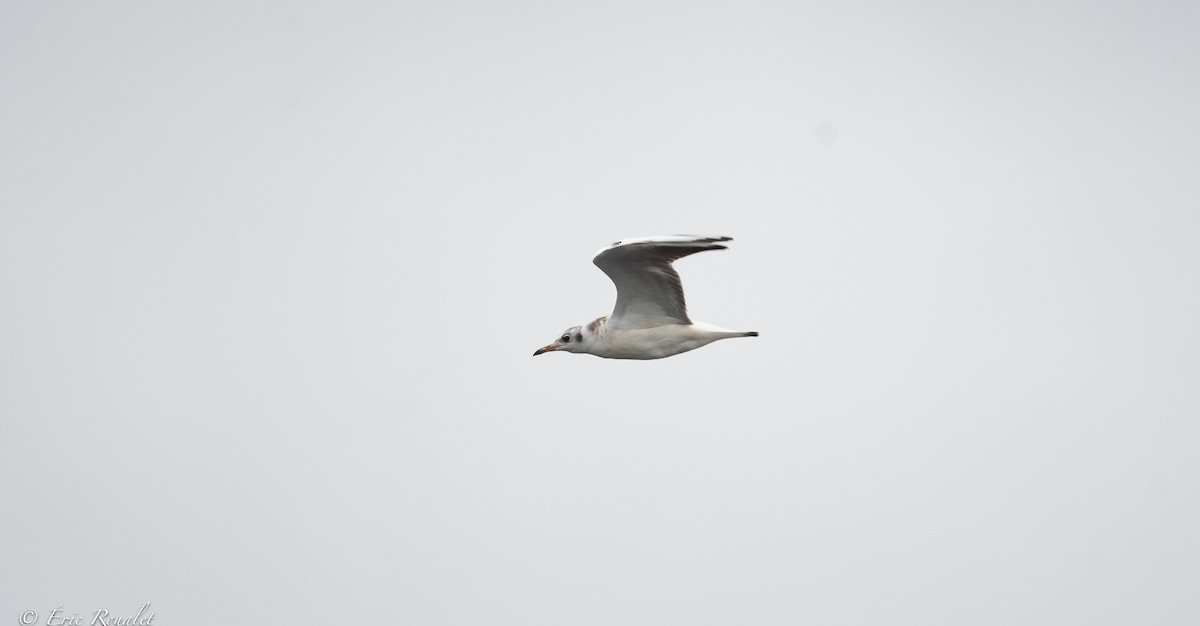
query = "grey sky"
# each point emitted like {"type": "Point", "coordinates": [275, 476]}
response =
{"type": "Point", "coordinates": [272, 274]}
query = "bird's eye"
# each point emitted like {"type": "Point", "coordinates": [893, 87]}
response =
{"type": "Point", "coordinates": [566, 339]}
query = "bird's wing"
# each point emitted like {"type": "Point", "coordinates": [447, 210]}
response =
{"type": "Point", "coordinates": [649, 292]}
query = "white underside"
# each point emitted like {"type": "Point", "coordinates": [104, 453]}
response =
{"type": "Point", "coordinates": [656, 342]}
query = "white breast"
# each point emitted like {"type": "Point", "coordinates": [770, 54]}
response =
{"type": "Point", "coordinates": [657, 342]}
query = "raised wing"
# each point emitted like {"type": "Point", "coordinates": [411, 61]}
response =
{"type": "Point", "coordinates": [649, 292]}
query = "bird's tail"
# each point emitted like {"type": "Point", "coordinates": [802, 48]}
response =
{"type": "Point", "coordinates": [722, 333]}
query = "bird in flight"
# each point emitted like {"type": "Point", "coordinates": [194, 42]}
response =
{"type": "Point", "coordinates": [650, 319]}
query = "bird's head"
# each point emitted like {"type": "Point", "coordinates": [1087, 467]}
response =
{"type": "Point", "coordinates": [571, 340]}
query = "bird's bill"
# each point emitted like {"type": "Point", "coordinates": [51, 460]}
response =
{"type": "Point", "coordinates": [549, 348]}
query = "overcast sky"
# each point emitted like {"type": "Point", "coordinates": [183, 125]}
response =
{"type": "Point", "coordinates": [271, 275]}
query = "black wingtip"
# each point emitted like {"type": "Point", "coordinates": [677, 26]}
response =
{"type": "Point", "coordinates": [753, 333]}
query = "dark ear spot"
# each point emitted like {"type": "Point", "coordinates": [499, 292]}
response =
{"type": "Point", "coordinates": [578, 336]}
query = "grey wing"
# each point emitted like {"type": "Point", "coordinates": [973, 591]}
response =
{"type": "Point", "coordinates": [649, 291]}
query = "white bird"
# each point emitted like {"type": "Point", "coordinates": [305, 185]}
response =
{"type": "Point", "coordinates": [650, 319]}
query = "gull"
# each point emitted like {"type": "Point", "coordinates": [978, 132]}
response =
{"type": "Point", "coordinates": [650, 319]}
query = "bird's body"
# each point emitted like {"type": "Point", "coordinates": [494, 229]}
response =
{"type": "Point", "coordinates": [654, 343]}
{"type": "Point", "coordinates": [650, 318]}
